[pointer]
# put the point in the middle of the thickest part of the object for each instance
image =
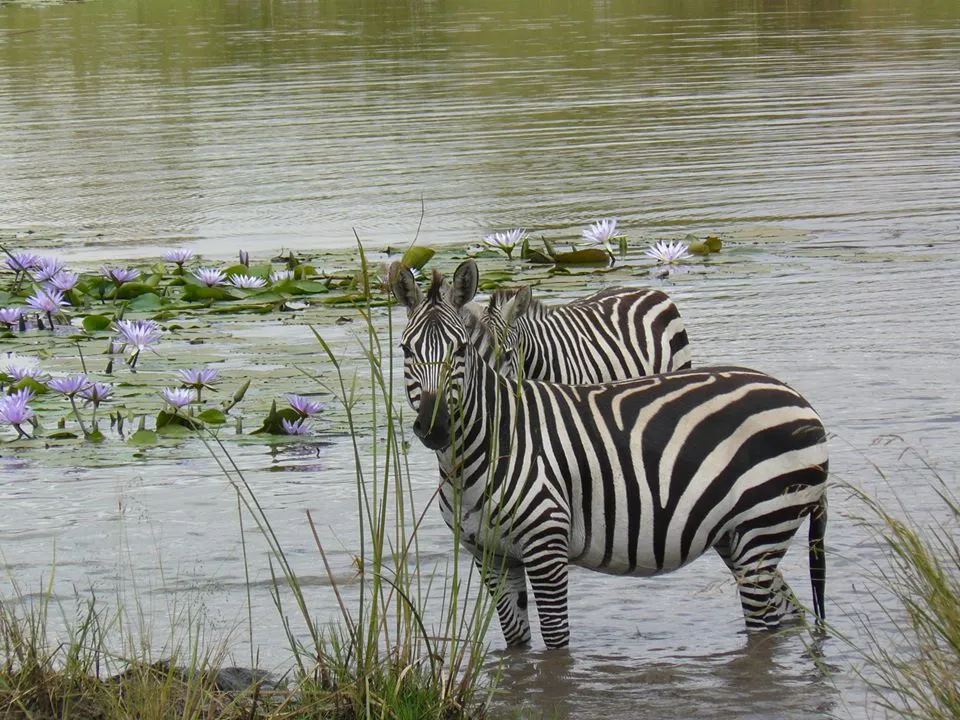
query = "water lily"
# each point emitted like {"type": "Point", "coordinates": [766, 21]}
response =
{"type": "Point", "coordinates": [210, 276]}
{"type": "Point", "coordinates": [47, 267]}
{"type": "Point", "coordinates": [15, 411]}
{"type": "Point", "coordinates": [197, 378]}
{"type": "Point", "coordinates": [247, 282]}
{"type": "Point", "coordinates": [64, 281]}
{"type": "Point", "coordinates": [281, 275]}
{"type": "Point", "coordinates": [141, 334]}
{"type": "Point", "coordinates": [97, 393]}
{"type": "Point", "coordinates": [48, 301]}
{"type": "Point", "coordinates": [296, 427]}
{"type": "Point", "coordinates": [19, 372]}
{"type": "Point", "coordinates": [11, 316]}
{"type": "Point", "coordinates": [505, 241]}
{"type": "Point", "coordinates": [69, 385]}
{"type": "Point", "coordinates": [245, 258]}
{"type": "Point", "coordinates": [603, 233]}
{"type": "Point", "coordinates": [120, 275]}
{"type": "Point", "coordinates": [179, 398]}
{"type": "Point", "coordinates": [22, 262]}
{"type": "Point", "coordinates": [178, 256]}
{"type": "Point", "coordinates": [667, 252]}
{"type": "Point", "coordinates": [303, 405]}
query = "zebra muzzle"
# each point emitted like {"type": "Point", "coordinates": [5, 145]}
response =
{"type": "Point", "coordinates": [432, 425]}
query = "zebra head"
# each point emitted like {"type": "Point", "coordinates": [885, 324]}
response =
{"type": "Point", "coordinates": [435, 344]}
{"type": "Point", "coordinates": [500, 317]}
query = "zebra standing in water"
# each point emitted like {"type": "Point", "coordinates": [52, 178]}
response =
{"type": "Point", "coordinates": [614, 334]}
{"type": "Point", "coordinates": [638, 477]}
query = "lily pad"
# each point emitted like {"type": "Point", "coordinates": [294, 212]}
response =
{"type": "Point", "coordinates": [417, 256]}
{"type": "Point", "coordinates": [93, 323]}
{"type": "Point", "coordinates": [586, 256]}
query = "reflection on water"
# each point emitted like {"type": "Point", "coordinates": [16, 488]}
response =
{"type": "Point", "coordinates": [764, 668]}
{"type": "Point", "coordinates": [127, 125]}
{"type": "Point", "coordinates": [820, 137]}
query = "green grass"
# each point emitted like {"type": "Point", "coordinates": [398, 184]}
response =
{"type": "Point", "coordinates": [915, 671]}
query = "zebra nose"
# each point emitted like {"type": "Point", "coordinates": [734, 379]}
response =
{"type": "Point", "coordinates": [432, 424]}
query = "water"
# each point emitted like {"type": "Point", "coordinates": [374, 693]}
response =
{"type": "Point", "coordinates": [823, 141]}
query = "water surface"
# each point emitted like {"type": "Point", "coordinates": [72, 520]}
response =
{"type": "Point", "coordinates": [822, 141]}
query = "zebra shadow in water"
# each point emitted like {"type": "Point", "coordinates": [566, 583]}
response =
{"type": "Point", "coordinates": [770, 675]}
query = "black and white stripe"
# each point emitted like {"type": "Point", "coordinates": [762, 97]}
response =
{"type": "Point", "coordinates": [614, 334]}
{"type": "Point", "coordinates": [638, 477]}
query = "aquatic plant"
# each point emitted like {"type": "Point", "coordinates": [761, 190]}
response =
{"type": "Point", "coordinates": [247, 282]}
{"type": "Point", "coordinates": [15, 411]}
{"type": "Point", "coordinates": [11, 316]}
{"type": "Point", "coordinates": [69, 385]}
{"type": "Point", "coordinates": [506, 241]}
{"type": "Point", "coordinates": [295, 427]}
{"type": "Point", "coordinates": [603, 232]}
{"type": "Point", "coordinates": [118, 276]}
{"type": "Point", "coordinates": [281, 275]}
{"type": "Point", "coordinates": [178, 256]}
{"type": "Point", "coordinates": [138, 334]}
{"type": "Point", "coordinates": [179, 398]}
{"type": "Point", "coordinates": [197, 378]}
{"type": "Point", "coordinates": [667, 252]}
{"type": "Point", "coordinates": [47, 268]}
{"type": "Point", "coordinates": [64, 281]}
{"type": "Point", "coordinates": [304, 406]}
{"type": "Point", "coordinates": [22, 262]}
{"type": "Point", "coordinates": [245, 258]}
{"type": "Point", "coordinates": [211, 277]}
{"type": "Point", "coordinates": [47, 301]}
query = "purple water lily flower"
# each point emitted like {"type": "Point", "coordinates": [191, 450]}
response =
{"type": "Point", "coordinates": [64, 281]}
{"type": "Point", "coordinates": [247, 282]}
{"type": "Point", "coordinates": [297, 427]}
{"type": "Point", "coordinates": [141, 334]}
{"type": "Point", "coordinates": [305, 406]}
{"type": "Point", "coordinates": [245, 258]}
{"type": "Point", "coordinates": [120, 275]}
{"type": "Point", "coordinates": [196, 377]}
{"type": "Point", "coordinates": [22, 262]}
{"type": "Point", "coordinates": [179, 397]}
{"type": "Point", "coordinates": [178, 256]}
{"type": "Point", "coordinates": [49, 301]}
{"type": "Point", "coordinates": [69, 385]}
{"type": "Point", "coordinates": [15, 411]}
{"type": "Point", "coordinates": [11, 316]}
{"type": "Point", "coordinates": [667, 252]}
{"type": "Point", "coordinates": [97, 392]}
{"type": "Point", "coordinates": [280, 275]}
{"type": "Point", "coordinates": [19, 372]}
{"type": "Point", "coordinates": [47, 267]}
{"type": "Point", "coordinates": [210, 276]}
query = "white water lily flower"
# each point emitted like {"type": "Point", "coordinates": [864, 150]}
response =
{"type": "Point", "coordinates": [603, 233]}
{"type": "Point", "coordinates": [247, 282]}
{"type": "Point", "coordinates": [667, 252]}
{"type": "Point", "coordinates": [505, 241]}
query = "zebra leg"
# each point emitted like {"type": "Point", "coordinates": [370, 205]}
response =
{"type": "Point", "coordinates": [507, 582]}
{"type": "Point", "coordinates": [548, 570]}
{"type": "Point", "coordinates": [764, 594]}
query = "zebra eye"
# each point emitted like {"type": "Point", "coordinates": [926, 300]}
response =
{"type": "Point", "coordinates": [407, 352]}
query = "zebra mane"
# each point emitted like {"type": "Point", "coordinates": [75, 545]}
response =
{"type": "Point", "coordinates": [437, 285]}
{"type": "Point", "coordinates": [500, 296]}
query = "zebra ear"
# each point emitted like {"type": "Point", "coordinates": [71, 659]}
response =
{"type": "Point", "coordinates": [465, 280]}
{"type": "Point", "coordinates": [404, 286]}
{"type": "Point", "coordinates": [521, 303]}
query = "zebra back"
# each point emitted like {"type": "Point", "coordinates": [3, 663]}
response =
{"type": "Point", "coordinates": [613, 334]}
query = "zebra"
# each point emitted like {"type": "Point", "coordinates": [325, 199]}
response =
{"type": "Point", "coordinates": [613, 334]}
{"type": "Point", "coordinates": [638, 477]}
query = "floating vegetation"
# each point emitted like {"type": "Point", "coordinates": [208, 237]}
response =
{"type": "Point", "coordinates": [164, 347]}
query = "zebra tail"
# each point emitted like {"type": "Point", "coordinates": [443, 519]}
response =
{"type": "Point", "coordinates": [818, 560]}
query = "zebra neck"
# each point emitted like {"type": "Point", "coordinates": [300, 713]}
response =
{"type": "Point", "coordinates": [482, 421]}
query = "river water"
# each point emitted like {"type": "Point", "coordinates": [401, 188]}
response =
{"type": "Point", "coordinates": [821, 139]}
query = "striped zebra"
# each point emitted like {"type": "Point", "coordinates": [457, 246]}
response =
{"type": "Point", "coordinates": [638, 477]}
{"type": "Point", "coordinates": [613, 334]}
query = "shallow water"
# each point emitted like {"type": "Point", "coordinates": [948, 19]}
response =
{"type": "Point", "coordinates": [822, 143]}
